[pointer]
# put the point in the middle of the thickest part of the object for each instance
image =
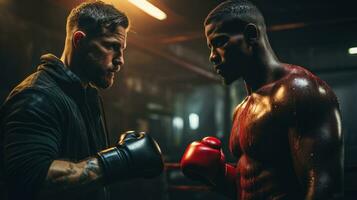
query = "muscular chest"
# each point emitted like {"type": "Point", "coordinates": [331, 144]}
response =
{"type": "Point", "coordinates": [256, 129]}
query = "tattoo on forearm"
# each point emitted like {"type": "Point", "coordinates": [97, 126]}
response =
{"type": "Point", "coordinates": [64, 176]}
{"type": "Point", "coordinates": [91, 169]}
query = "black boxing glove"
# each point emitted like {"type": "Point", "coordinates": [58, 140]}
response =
{"type": "Point", "coordinates": [136, 155]}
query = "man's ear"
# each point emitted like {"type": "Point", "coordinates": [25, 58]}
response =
{"type": "Point", "coordinates": [251, 33]}
{"type": "Point", "coordinates": [77, 37]}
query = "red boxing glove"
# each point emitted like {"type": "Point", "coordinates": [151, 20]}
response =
{"type": "Point", "coordinates": [205, 161]}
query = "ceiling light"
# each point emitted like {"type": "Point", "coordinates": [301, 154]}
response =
{"type": "Point", "coordinates": [352, 50]}
{"type": "Point", "coordinates": [194, 120]}
{"type": "Point", "coordinates": [149, 9]}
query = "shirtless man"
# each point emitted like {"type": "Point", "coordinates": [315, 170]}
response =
{"type": "Point", "coordinates": [286, 133]}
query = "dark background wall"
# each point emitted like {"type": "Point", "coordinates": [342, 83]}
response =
{"type": "Point", "coordinates": [167, 76]}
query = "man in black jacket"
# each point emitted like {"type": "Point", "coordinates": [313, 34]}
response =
{"type": "Point", "coordinates": [52, 125]}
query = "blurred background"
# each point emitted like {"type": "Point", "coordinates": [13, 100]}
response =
{"type": "Point", "coordinates": [167, 86]}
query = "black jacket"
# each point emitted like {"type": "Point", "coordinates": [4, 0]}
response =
{"type": "Point", "coordinates": [48, 116]}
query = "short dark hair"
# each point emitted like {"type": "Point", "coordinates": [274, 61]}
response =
{"type": "Point", "coordinates": [243, 10]}
{"type": "Point", "coordinates": [95, 18]}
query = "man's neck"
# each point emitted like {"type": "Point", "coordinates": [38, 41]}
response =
{"type": "Point", "coordinates": [71, 65]}
{"type": "Point", "coordinates": [264, 71]}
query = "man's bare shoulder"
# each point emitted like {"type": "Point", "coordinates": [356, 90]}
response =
{"type": "Point", "coordinates": [239, 106]}
{"type": "Point", "coordinates": [300, 87]}
{"type": "Point", "coordinates": [301, 96]}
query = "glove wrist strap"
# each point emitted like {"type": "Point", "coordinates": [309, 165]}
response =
{"type": "Point", "coordinates": [115, 164]}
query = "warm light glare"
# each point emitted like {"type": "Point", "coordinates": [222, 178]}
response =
{"type": "Point", "coordinates": [149, 9]}
{"type": "Point", "coordinates": [352, 50]}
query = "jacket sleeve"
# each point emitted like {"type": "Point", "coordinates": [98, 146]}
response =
{"type": "Point", "coordinates": [31, 139]}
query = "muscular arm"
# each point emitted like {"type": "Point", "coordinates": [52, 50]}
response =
{"type": "Point", "coordinates": [317, 157]}
{"type": "Point", "coordinates": [316, 141]}
{"type": "Point", "coordinates": [68, 178]}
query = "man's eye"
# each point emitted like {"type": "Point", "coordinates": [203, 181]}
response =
{"type": "Point", "coordinates": [115, 47]}
{"type": "Point", "coordinates": [219, 41]}
{"type": "Point", "coordinates": [112, 46]}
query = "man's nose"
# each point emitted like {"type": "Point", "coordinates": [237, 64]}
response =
{"type": "Point", "coordinates": [214, 58]}
{"type": "Point", "coordinates": [117, 62]}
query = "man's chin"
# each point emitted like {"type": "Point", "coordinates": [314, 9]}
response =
{"type": "Point", "coordinates": [103, 84]}
{"type": "Point", "coordinates": [227, 80]}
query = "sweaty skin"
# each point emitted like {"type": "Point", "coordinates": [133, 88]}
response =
{"type": "Point", "coordinates": [286, 134]}
{"type": "Point", "coordinates": [286, 137]}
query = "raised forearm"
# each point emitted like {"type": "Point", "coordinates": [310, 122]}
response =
{"type": "Point", "coordinates": [68, 178]}
{"type": "Point", "coordinates": [227, 184]}
{"type": "Point", "coordinates": [204, 161]}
